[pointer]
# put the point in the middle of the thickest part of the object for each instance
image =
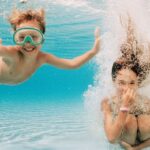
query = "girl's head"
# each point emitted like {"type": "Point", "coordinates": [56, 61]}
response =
{"type": "Point", "coordinates": [127, 71]}
{"type": "Point", "coordinates": [127, 74]}
{"type": "Point", "coordinates": [130, 70]}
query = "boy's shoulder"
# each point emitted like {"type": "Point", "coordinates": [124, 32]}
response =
{"type": "Point", "coordinates": [43, 54]}
{"type": "Point", "coordinates": [10, 47]}
{"type": "Point", "coordinates": [44, 57]}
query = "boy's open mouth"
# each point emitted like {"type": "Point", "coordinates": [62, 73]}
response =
{"type": "Point", "coordinates": [29, 49]}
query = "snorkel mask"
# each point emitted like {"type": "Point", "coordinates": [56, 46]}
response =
{"type": "Point", "coordinates": [28, 35]}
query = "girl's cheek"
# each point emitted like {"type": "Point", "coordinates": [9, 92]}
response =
{"type": "Point", "coordinates": [120, 90]}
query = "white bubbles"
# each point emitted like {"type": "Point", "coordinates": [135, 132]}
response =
{"type": "Point", "coordinates": [114, 36]}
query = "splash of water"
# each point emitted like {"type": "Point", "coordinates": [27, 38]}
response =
{"type": "Point", "coordinates": [115, 35]}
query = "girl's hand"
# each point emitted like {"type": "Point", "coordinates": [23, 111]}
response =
{"type": "Point", "coordinates": [126, 145]}
{"type": "Point", "coordinates": [105, 107]}
{"type": "Point", "coordinates": [128, 97]}
{"type": "Point", "coordinates": [96, 47]}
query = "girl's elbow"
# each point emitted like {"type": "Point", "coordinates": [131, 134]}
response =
{"type": "Point", "coordinates": [112, 139]}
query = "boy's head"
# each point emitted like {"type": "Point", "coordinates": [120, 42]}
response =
{"type": "Point", "coordinates": [29, 27]}
{"type": "Point", "coordinates": [33, 17]}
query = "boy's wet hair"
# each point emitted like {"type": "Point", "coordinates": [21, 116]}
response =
{"type": "Point", "coordinates": [17, 17]}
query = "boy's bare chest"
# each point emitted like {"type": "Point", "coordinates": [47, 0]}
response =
{"type": "Point", "coordinates": [17, 70]}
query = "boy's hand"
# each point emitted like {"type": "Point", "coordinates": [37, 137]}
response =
{"type": "Point", "coordinates": [0, 41]}
{"type": "Point", "coordinates": [97, 32]}
{"type": "Point", "coordinates": [96, 46]}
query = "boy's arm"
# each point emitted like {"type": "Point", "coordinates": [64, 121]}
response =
{"type": "Point", "coordinates": [7, 50]}
{"type": "Point", "coordinates": [76, 62]}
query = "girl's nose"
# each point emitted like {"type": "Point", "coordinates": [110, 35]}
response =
{"type": "Point", "coordinates": [126, 86]}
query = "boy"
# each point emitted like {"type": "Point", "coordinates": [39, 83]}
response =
{"type": "Point", "coordinates": [19, 62]}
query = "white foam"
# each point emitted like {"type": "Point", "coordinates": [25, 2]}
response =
{"type": "Point", "coordinates": [114, 35]}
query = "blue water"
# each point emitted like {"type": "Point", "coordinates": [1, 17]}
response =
{"type": "Point", "coordinates": [46, 112]}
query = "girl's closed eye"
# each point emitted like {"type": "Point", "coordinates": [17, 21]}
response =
{"type": "Point", "coordinates": [132, 83]}
{"type": "Point", "coordinates": [121, 83]}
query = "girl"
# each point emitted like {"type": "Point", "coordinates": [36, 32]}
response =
{"type": "Point", "coordinates": [127, 113]}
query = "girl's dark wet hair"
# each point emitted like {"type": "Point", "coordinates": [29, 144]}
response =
{"type": "Point", "coordinates": [131, 53]}
{"type": "Point", "coordinates": [132, 64]}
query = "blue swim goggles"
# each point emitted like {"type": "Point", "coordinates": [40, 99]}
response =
{"type": "Point", "coordinates": [28, 35]}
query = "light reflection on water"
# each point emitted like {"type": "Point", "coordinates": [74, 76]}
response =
{"type": "Point", "coordinates": [43, 125]}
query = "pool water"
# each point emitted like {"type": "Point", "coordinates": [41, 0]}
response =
{"type": "Point", "coordinates": [46, 112]}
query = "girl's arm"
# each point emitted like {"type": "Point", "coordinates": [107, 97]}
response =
{"type": "Point", "coordinates": [114, 127]}
{"type": "Point", "coordinates": [144, 144]}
